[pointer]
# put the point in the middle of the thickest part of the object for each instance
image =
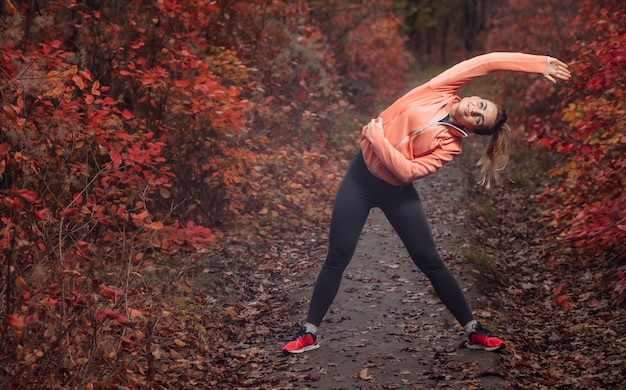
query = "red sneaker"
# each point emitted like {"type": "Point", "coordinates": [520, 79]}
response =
{"type": "Point", "coordinates": [302, 342]}
{"type": "Point", "coordinates": [481, 338]}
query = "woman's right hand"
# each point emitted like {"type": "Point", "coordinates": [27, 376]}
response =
{"type": "Point", "coordinates": [557, 70]}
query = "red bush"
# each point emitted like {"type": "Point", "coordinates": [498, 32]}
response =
{"type": "Point", "coordinates": [588, 205]}
{"type": "Point", "coordinates": [139, 133]}
{"type": "Point", "coordinates": [583, 120]}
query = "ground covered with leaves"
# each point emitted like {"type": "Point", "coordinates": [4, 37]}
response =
{"type": "Point", "coordinates": [220, 320]}
{"type": "Point", "coordinates": [554, 304]}
{"type": "Point", "coordinates": [386, 329]}
{"type": "Point", "coordinates": [225, 321]}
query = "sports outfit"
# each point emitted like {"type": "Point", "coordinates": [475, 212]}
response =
{"type": "Point", "coordinates": [418, 140]}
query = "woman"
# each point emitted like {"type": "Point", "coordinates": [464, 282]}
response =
{"type": "Point", "coordinates": [413, 138]}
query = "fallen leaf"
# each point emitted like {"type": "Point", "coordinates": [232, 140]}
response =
{"type": "Point", "coordinates": [21, 283]}
{"type": "Point", "coordinates": [365, 376]}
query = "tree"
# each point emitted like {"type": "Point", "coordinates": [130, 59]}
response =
{"type": "Point", "coordinates": [445, 30]}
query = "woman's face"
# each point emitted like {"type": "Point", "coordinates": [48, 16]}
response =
{"type": "Point", "coordinates": [474, 113]}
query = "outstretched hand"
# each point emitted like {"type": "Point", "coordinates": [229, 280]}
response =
{"type": "Point", "coordinates": [557, 70]}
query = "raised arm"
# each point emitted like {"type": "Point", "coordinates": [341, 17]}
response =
{"type": "Point", "coordinates": [407, 168]}
{"type": "Point", "coordinates": [468, 70]}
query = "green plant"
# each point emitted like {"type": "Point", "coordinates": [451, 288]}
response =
{"type": "Point", "coordinates": [482, 260]}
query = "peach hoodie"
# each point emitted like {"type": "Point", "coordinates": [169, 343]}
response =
{"type": "Point", "coordinates": [415, 144]}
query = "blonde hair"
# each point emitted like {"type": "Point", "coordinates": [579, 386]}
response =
{"type": "Point", "coordinates": [496, 155]}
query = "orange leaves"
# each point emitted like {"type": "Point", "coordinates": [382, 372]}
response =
{"type": "Point", "coordinates": [180, 343]}
{"type": "Point", "coordinates": [587, 202]}
{"type": "Point", "coordinates": [137, 45]}
{"type": "Point", "coordinates": [139, 219]}
{"type": "Point", "coordinates": [127, 114]}
{"type": "Point", "coordinates": [95, 88]}
{"type": "Point", "coordinates": [134, 313]}
{"type": "Point", "coordinates": [156, 225]}
{"type": "Point", "coordinates": [78, 81]}
{"type": "Point", "coordinates": [365, 375]}
{"type": "Point", "coordinates": [15, 321]}
{"type": "Point", "coordinates": [21, 283]}
{"type": "Point", "coordinates": [50, 301]}
{"type": "Point", "coordinates": [9, 8]}
{"type": "Point", "coordinates": [134, 170]}
{"type": "Point", "coordinates": [29, 196]}
{"type": "Point", "coordinates": [182, 83]}
{"type": "Point", "coordinates": [111, 292]}
{"type": "Point", "coordinates": [67, 212]}
{"type": "Point", "coordinates": [560, 297]}
{"type": "Point", "coordinates": [93, 163]}
{"type": "Point", "coordinates": [69, 71]}
{"type": "Point", "coordinates": [112, 315]}
{"type": "Point", "coordinates": [116, 158]}
{"type": "Point", "coordinates": [371, 49]}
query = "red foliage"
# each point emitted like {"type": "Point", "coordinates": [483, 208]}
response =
{"type": "Point", "coordinates": [368, 49]}
{"type": "Point", "coordinates": [589, 201]}
{"type": "Point", "coordinates": [129, 127]}
{"type": "Point", "coordinates": [538, 27]}
{"type": "Point", "coordinates": [583, 121]}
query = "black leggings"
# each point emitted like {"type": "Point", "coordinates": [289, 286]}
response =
{"type": "Point", "coordinates": [359, 192]}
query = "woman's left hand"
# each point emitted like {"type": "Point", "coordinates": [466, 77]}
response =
{"type": "Point", "coordinates": [374, 129]}
{"type": "Point", "coordinates": [557, 70]}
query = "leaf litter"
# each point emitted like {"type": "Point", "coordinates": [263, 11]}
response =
{"type": "Point", "coordinates": [387, 330]}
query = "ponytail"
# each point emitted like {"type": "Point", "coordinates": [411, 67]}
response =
{"type": "Point", "coordinates": [496, 156]}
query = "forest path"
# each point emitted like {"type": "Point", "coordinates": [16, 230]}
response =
{"type": "Point", "coordinates": [386, 329]}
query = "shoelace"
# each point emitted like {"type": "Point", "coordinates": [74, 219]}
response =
{"type": "Point", "coordinates": [482, 331]}
{"type": "Point", "coordinates": [300, 333]}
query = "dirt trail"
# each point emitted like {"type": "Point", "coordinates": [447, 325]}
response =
{"type": "Point", "coordinates": [386, 328]}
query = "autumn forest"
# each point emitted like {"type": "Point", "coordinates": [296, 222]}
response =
{"type": "Point", "coordinates": [165, 166]}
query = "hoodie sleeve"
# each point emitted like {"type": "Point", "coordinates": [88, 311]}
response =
{"type": "Point", "coordinates": [462, 73]}
{"type": "Point", "coordinates": [446, 147]}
